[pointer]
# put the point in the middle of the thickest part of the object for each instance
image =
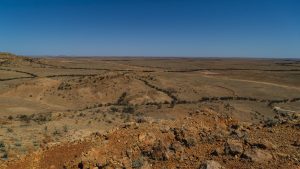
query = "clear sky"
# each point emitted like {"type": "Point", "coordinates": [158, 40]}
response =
{"type": "Point", "coordinates": [233, 28]}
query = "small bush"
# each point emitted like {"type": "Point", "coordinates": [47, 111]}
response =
{"type": "Point", "coordinates": [65, 128]}
{"type": "Point", "coordinates": [4, 155]}
{"type": "Point", "coordinates": [56, 132]}
{"type": "Point", "coordinates": [2, 144]}
{"type": "Point", "coordinates": [18, 144]}
{"type": "Point", "coordinates": [64, 86]}
{"type": "Point", "coordinates": [159, 106]}
{"type": "Point", "coordinates": [10, 130]}
{"type": "Point", "coordinates": [271, 122]}
{"type": "Point", "coordinates": [114, 109]}
{"type": "Point", "coordinates": [42, 118]}
{"type": "Point", "coordinates": [121, 99]}
{"type": "Point", "coordinates": [25, 118]}
{"type": "Point", "coordinates": [46, 128]}
{"type": "Point", "coordinates": [129, 109]}
{"type": "Point", "coordinates": [10, 117]}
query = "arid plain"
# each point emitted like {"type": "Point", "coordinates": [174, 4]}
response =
{"type": "Point", "coordinates": [142, 112]}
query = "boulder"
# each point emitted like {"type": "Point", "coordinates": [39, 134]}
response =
{"type": "Point", "coordinates": [159, 151]}
{"type": "Point", "coordinates": [129, 153]}
{"type": "Point", "coordinates": [265, 144]}
{"type": "Point", "coordinates": [147, 138]}
{"type": "Point", "coordinates": [146, 165]}
{"type": "Point", "coordinates": [176, 147]}
{"type": "Point", "coordinates": [217, 152]}
{"type": "Point", "coordinates": [184, 137]}
{"type": "Point", "coordinates": [137, 163]}
{"type": "Point", "coordinates": [233, 147]}
{"type": "Point", "coordinates": [257, 155]}
{"type": "Point", "coordinates": [210, 164]}
{"type": "Point", "coordinates": [165, 129]}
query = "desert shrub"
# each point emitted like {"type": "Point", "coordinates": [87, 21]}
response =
{"type": "Point", "coordinates": [35, 143]}
{"type": "Point", "coordinates": [121, 99]}
{"type": "Point", "coordinates": [2, 144]}
{"type": "Point", "coordinates": [183, 102]}
{"type": "Point", "coordinates": [129, 109]}
{"type": "Point", "coordinates": [159, 106]}
{"type": "Point", "coordinates": [252, 99]}
{"type": "Point", "coordinates": [227, 106]}
{"type": "Point", "coordinates": [241, 98]}
{"type": "Point", "coordinates": [46, 128]}
{"type": "Point", "coordinates": [122, 116]}
{"type": "Point", "coordinates": [65, 128]}
{"type": "Point", "coordinates": [226, 98]}
{"type": "Point", "coordinates": [138, 163]}
{"type": "Point", "coordinates": [271, 122]}
{"type": "Point", "coordinates": [41, 118]}
{"type": "Point", "coordinates": [64, 86]}
{"type": "Point", "coordinates": [25, 118]}
{"type": "Point", "coordinates": [10, 117]}
{"type": "Point", "coordinates": [81, 114]}
{"type": "Point", "coordinates": [10, 130]}
{"type": "Point", "coordinates": [140, 119]}
{"type": "Point", "coordinates": [204, 99]}
{"type": "Point", "coordinates": [4, 155]}
{"type": "Point", "coordinates": [272, 102]}
{"type": "Point", "coordinates": [56, 132]}
{"type": "Point", "coordinates": [18, 144]}
{"type": "Point", "coordinates": [114, 109]}
{"type": "Point", "coordinates": [127, 119]}
{"type": "Point", "coordinates": [172, 103]}
{"type": "Point", "coordinates": [166, 102]}
{"type": "Point", "coordinates": [295, 99]}
{"type": "Point", "coordinates": [214, 98]}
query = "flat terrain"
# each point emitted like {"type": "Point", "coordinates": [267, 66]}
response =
{"type": "Point", "coordinates": [141, 112]}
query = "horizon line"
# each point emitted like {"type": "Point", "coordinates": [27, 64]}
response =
{"type": "Point", "coordinates": [164, 56]}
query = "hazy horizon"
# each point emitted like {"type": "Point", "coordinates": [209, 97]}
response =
{"type": "Point", "coordinates": [184, 57]}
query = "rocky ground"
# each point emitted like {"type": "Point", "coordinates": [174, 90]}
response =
{"type": "Point", "coordinates": [204, 139]}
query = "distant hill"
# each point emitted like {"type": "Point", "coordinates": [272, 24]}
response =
{"type": "Point", "coordinates": [6, 55]}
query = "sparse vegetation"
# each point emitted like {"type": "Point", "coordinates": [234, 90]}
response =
{"type": "Point", "coordinates": [129, 109]}
{"type": "Point", "coordinates": [10, 130]}
{"type": "Point", "coordinates": [42, 118]}
{"type": "Point", "coordinates": [121, 100]}
{"type": "Point", "coordinates": [64, 86]}
{"type": "Point", "coordinates": [65, 128]}
{"type": "Point", "coordinates": [46, 128]}
{"type": "Point", "coordinates": [56, 132]}
{"type": "Point", "coordinates": [114, 109]}
{"type": "Point", "coordinates": [25, 118]}
{"type": "Point", "coordinates": [10, 117]}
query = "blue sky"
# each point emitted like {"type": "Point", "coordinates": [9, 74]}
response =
{"type": "Point", "coordinates": [232, 28]}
